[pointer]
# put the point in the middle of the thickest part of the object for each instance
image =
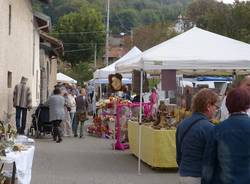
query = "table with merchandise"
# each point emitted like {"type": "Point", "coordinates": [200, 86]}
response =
{"type": "Point", "coordinates": [157, 146]}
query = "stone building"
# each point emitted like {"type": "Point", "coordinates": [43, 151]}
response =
{"type": "Point", "coordinates": [50, 48]}
{"type": "Point", "coordinates": [20, 51]}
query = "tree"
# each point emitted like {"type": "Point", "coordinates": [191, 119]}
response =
{"type": "Point", "coordinates": [81, 72]}
{"type": "Point", "coordinates": [240, 19]}
{"type": "Point", "coordinates": [79, 32]}
{"type": "Point", "coordinates": [148, 36]}
{"type": "Point", "coordinates": [227, 20]}
{"type": "Point", "coordinates": [59, 8]}
{"type": "Point", "coordinates": [126, 19]}
{"type": "Point", "coordinates": [199, 8]}
{"type": "Point", "coordinates": [150, 16]}
{"type": "Point", "coordinates": [217, 20]}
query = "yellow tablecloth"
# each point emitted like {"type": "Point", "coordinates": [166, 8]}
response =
{"type": "Point", "coordinates": [157, 146]}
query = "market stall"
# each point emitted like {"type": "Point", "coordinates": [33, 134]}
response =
{"type": "Point", "coordinates": [112, 119]}
{"type": "Point", "coordinates": [17, 150]}
{"type": "Point", "coordinates": [195, 51]}
{"type": "Point", "coordinates": [22, 161]}
{"type": "Point", "coordinates": [154, 151]}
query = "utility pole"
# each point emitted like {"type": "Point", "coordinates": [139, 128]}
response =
{"type": "Point", "coordinates": [107, 36]}
{"type": "Point", "coordinates": [95, 55]}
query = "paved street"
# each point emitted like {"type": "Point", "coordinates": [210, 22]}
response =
{"type": "Point", "coordinates": [91, 161]}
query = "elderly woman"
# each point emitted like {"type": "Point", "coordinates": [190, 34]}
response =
{"type": "Point", "coordinates": [56, 104]}
{"type": "Point", "coordinates": [194, 137]}
{"type": "Point", "coordinates": [232, 141]}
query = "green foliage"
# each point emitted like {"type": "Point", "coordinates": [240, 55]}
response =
{"type": "Point", "coordinates": [126, 18]}
{"type": "Point", "coordinates": [59, 8]}
{"type": "Point", "coordinates": [79, 31]}
{"type": "Point", "coordinates": [140, 12]}
{"type": "Point", "coordinates": [147, 18]}
{"type": "Point", "coordinates": [240, 19]}
{"type": "Point", "coordinates": [198, 9]}
{"type": "Point", "coordinates": [37, 7]}
{"type": "Point", "coordinates": [150, 16]}
{"type": "Point", "coordinates": [81, 72]}
{"type": "Point", "coordinates": [143, 12]}
{"type": "Point", "coordinates": [148, 36]}
{"type": "Point", "coordinates": [228, 20]}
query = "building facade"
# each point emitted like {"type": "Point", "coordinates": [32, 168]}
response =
{"type": "Point", "coordinates": [21, 53]}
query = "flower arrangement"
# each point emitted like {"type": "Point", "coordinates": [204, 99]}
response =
{"type": "Point", "coordinates": [100, 127]}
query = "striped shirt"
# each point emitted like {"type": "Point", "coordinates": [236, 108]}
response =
{"type": "Point", "coordinates": [22, 96]}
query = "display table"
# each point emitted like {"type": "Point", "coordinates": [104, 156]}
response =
{"type": "Point", "coordinates": [157, 146]}
{"type": "Point", "coordinates": [23, 163]}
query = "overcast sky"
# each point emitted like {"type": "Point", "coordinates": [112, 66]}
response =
{"type": "Point", "coordinates": [228, 1]}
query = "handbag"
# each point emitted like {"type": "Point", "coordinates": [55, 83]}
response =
{"type": "Point", "coordinates": [68, 108]}
{"type": "Point", "coordinates": [82, 117]}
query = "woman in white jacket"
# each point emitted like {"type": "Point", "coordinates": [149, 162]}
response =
{"type": "Point", "coordinates": [72, 105]}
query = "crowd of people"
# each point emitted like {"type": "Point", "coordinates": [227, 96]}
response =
{"type": "Point", "coordinates": [68, 110]}
{"type": "Point", "coordinates": [205, 153]}
{"type": "Point", "coordinates": [216, 154]}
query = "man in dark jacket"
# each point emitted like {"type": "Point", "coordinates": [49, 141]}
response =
{"type": "Point", "coordinates": [22, 102]}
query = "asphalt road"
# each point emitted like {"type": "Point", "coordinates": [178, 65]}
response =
{"type": "Point", "coordinates": [91, 161]}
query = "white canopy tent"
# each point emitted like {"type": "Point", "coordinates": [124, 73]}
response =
{"type": "Point", "coordinates": [110, 69]}
{"type": "Point", "coordinates": [106, 81]}
{"type": "Point", "coordinates": [60, 77]}
{"type": "Point", "coordinates": [195, 49]}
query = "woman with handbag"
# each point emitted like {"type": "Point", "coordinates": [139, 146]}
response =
{"type": "Point", "coordinates": [194, 138]}
{"type": "Point", "coordinates": [82, 104]}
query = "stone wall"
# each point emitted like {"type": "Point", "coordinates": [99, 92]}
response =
{"type": "Point", "coordinates": [19, 51]}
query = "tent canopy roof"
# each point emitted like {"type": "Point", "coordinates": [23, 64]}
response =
{"type": "Point", "coordinates": [110, 69]}
{"type": "Point", "coordinates": [194, 49]}
{"type": "Point", "coordinates": [106, 81]}
{"type": "Point", "coordinates": [60, 77]}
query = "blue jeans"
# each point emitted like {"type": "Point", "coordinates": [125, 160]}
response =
{"type": "Point", "coordinates": [21, 127]}
{"type": "Point", "coordinates": [73, 122]}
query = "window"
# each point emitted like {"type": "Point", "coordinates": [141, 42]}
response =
{"type": "Point", "coordinates": [9, 82]}
{"type": "Point", "coordinates": [9, 19]}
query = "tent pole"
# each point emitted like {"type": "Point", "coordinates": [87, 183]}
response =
{"type": "Point", "coordinates": [94, 100]}
{"type": "Point", "coordinates": [140, 122]}
{"type": "Point", "coordinates": [100, 90]}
